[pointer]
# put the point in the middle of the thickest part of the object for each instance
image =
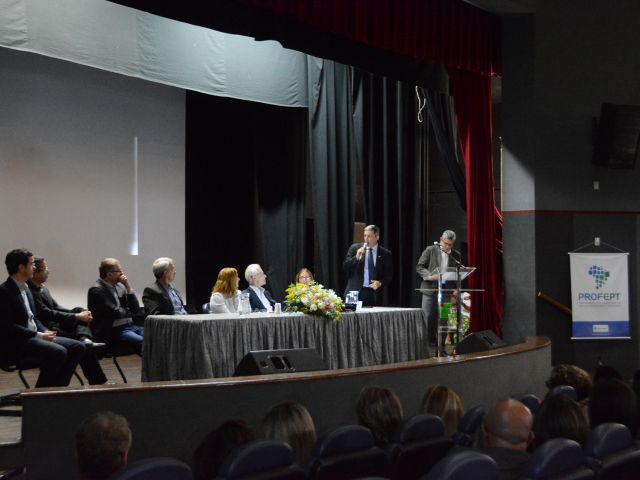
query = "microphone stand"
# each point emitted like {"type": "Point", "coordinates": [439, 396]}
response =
{"type": "Point", "coordinates": [458, 266]}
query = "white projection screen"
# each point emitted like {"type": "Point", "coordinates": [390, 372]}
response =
{"type": "Point", "coordinates": [91, 166]}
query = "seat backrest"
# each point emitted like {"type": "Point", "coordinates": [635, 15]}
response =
{"type": "Point", "coordinates": [462, 465]}
{"type": "Point", "coordinates": [560, 459]}
{"type": "Point", "coordinates": [206, 307]}
{"type": "Point", "coordinates": [468, 426]}
{"type": "Point", "coordinates": [416, 447]}
{"type": "Point", "coordinates": [615, 454]}
{"type": "Point", "coordinates": [261, 459]}
{"type": "Point", "coordinates": [157, 468]}
{"type": "Point", "coordinates": [531, 401]}
{"type": "Point", "coordinates": [346, 452]}
{"type": "Point", "coordinates": [567, 390]}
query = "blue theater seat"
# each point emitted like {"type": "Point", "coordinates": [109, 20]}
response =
{"type": "Point", "coordinates": [468, 426]}
{"type": "Point", "coordinates": [261, 459]}
{"type": "Point", "coordinates": [464, 465]}
{"type": "Point", "coordinates": [531, 401]}
{"type": "Point", "coordinates": [558, 459]}
{"type": "Point", "coordinates": [158, 468]}
{"type": "Point", "coordinates": [567, 390]}
{"type": "Point", "coordinates": [613, 453]}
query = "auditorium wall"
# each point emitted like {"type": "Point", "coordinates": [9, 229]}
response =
{"type": "Point", "coordinates": [559, 67]}
{"type": "Point", "coordinates": [67, 176]}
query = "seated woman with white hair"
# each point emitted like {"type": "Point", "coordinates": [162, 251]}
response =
{"type": "Point", "coordinates": [225, 294]}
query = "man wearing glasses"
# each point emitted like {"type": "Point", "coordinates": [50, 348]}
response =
{"type": "Point", "coordinates": [115, 306]}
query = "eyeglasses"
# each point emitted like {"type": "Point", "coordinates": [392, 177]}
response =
{"type": "Point", "coordinates": [114, 271]}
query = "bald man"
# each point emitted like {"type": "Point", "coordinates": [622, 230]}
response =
{"type": "Point", "coordinates": [506, 434]}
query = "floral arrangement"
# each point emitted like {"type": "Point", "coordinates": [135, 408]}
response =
{"type": "Point", "coordinates": [313, 299]}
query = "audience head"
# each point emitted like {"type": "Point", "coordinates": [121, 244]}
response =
{"type": "Point", "coordinates": [40, 271]}
{"type": "Point", "coordinates": [227, 283]}
{"type": "Point", "coordinates": [576, 377]}
{"type": "Point", "coordinates": [211, 453]}
{"type": "Point", "coordinates": [164, 270]}
{"type": "Point", "coordinates": [507, 424]}
{"type": "Point", "coordinates": [560, 417]}
{"type": "Point", "coordinates": [379, 410]}
{"type": "Point", "coordinates": [102, 445]}
{"type": "Point", "coordinates": [19, 262]}
{"type": "Point", "coordinates": [291, 423]}
{"type": "Point", "coordinates": [254, 275]}
{"type": "Point", "coordinates": [606, 372]}
{"type": "Point", "coordinates": [304, 276]}
{"type": "Point", "coordinates": [110, 270]}
{"type": "Point", "coordinates": [371, 235]}
{"type": "Point", "coordinates": [612, 400]}
{"type": "Point", "coordinates": [446, 404]}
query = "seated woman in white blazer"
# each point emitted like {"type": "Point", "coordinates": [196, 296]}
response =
{"type": "Point", "coordinates": [225, 294]}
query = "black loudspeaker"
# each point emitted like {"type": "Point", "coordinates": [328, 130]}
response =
{"type": "Point", "coordinates": [617, 136]}
{"type": "Point", "coordinates": [265, 362]}
{"type": "Point", "coordinates": [479, 342]}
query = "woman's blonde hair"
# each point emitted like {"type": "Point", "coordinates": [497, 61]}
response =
{"type": "Point", "coordinates": [301, 272]}
{"type": "Point", "coordinates": [291, 423]}
{"type": "Point", "coordinates": [226, 284]}
{"type": "Point", "coordinates": [445, 403]}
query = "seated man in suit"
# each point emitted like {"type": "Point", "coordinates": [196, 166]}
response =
{"type": "Point", "coordinates": [72, 323]}
{"type": "Point", "coordinates": [260, 299]}
{"type": "Point", "coordinates": [369, 267]}
{"type": "Point", "coordinates": [114, 306]}
{"type": "Point", "coordinates": [161, 298]}
{"type": "Point", "coordinates": [23, 335]}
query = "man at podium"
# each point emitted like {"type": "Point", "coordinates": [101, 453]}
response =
{"type": "Point", "coordinates": [434, 257]}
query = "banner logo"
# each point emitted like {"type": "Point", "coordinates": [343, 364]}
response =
{"type": "Point", "coordinates": [599, 274]}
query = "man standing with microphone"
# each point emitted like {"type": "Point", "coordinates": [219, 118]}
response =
{"type": "Point", "coordinates": [434, 257]}
{"type": "Point", "coordinates": [368, 267]}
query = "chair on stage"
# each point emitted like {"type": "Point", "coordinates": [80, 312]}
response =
{"type": "Point", "coordinates": [558, 459]}
{"type": "Point", "coordinates": [463, 465]}
{"type": "Point", "coordinates": [468, 426]}
{"type": "Point", "coordinates": [261, 459]}
{"type": "Point", "coordinates": [157, 468]}
{"type": "Point", "coordinates": [416, 447]}
{"type": "Point", "coordinates": [612, 452]}
{"type": "Point", "coordinates": [345, 453]}
{"type": "Point", "coordinates": [206, 307]}
{"type": "Point", "coordinates": [531, 401]}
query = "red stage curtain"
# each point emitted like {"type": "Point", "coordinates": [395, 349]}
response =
{"type": "Point", "coordinates": [448, 32]}
{"type": "Point", "coordinates": [472, 94]}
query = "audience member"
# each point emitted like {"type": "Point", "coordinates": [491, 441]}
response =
{"type": "Point", "coordinates": [23, 334]}
{"type": "Point", "coordinates": [102, 445]}
{"type": "Point", "coordinates": [304, 276]}
{"type": "Point", "coordinates": [379, 410]}
{"type": "Point", "coordinates": [114, 306]}
{"type": "Point", "coordinates": [161, 298]}
{"type": "Point", "coordinates": [211, 453]}
{"type": "Point", "coordinates": [225, 294]}
{"type": "Point", "coordinates": [72, 323]}
{"type": "Point", "coordinates": [560, 417]}
{"type": "Point", "coordinates": [613, 401]}
{"type": "Point", "coordinates": [445, 403]}
{"type": "Point", "coordinates": [605, 372]}
{"type": "Point", "coordinates": [259, 298]}
{"type": "Point", "coordinates": [576, 377]}
{"type": "Point", "coordinates": [505, 436]}
{"type": "Point", "coordinates": [291, 423]}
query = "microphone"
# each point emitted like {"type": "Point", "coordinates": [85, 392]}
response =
{"type": "Point", "coordinates": [452, 249]}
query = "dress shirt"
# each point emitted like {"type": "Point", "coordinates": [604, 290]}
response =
{"type": "Point", "coordinates": [260, 292]}
{"type": "Point", "coordinates": [31, 324]}
{"type": "Point", "coordinates": [178, 308]}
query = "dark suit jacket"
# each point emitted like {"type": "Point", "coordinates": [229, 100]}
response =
{"type": "Point", "coordinates": [354, 268]}
{"type": "Point", "coordinates": [256, 304]}
{"type": "Point", "coordinates": [157, 301]}
{"type": "Point", "coordinates": [49, 311]}
{"type": "Point", "coordinates": [106, 310]}
{"type": "Point", "coordinates": [14, 319]}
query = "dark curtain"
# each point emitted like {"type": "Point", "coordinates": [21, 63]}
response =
{"type": "Point", "coordinates": [244, 174]}
{"type": "Point", "coordinates": [332, 148]}
{"type": "Point", "coordinates": [393, 162]}
{"type": "Point", "coordinates": [472, 95]}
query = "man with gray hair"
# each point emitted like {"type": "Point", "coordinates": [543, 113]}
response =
{"type": "Point", "coordinates": [505, 436]}
{"type": "Point", "coordinates": [103, 441]}
{"type": "Point", "coordinates": [161, 298]}
{"type": "Point", "coordinates": [434, 257]}
{"type": "Point", "coordinates": [259, 298]}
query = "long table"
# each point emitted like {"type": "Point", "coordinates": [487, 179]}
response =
{"type": "Point", "coordinates": [207, 346]}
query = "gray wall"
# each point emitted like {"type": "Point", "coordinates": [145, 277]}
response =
{"type": "Point", "coordinates": [559, 66]}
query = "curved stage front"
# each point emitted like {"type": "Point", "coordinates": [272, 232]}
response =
{"type": "Point", "coordinates": [171, 418]}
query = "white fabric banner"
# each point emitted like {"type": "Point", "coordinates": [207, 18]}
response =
{"type": "Point", "coordinates": [600, 295]}
{"type": "Point", "coordinates": [123, 40]}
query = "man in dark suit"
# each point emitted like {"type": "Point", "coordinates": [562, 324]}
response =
{"type": "Point", "coordinates": [115, 306]}
{"type": "Point", "coordinates": [72, 323]}
{"type": "Point", "coordinates": [24, 335]}
{"type": "Point", "coordinates": [161, 298]}
{"type": "Point", "coordinates": [259, 298]}
{"type": "Point", "coordinates": [368, 267]}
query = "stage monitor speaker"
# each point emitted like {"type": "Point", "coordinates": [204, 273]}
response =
{"type": "Point", "coordinates": [617, 136]}
{"type": "Point", "coordinates": [479, 342]}
{"type": "Point", "coordinates": [265, 362]}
